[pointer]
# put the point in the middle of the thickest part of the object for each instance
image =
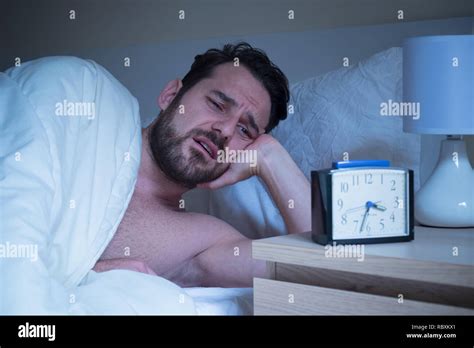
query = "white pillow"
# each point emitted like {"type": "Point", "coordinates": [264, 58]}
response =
{"type": "Point", "coordinates": [75, 174]}
{"type": "Point", "coordinates": [334, 113]}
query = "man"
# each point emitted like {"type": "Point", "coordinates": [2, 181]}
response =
{"type": "Point", "coordinates": [230, 99]}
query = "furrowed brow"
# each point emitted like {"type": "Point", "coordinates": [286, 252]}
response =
{"type": "Point", "coordinates": [224, 97]}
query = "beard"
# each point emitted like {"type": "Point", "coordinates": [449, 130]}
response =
{"type": "Point", "coordinates": [167, 148]}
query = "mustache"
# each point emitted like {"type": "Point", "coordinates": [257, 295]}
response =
{"type": "Point", "coordinates": [218, 140]}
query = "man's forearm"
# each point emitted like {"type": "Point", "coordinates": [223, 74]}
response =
{"type": "Point", "coordinates": [288, 187]}
{"type": "Point", "coordinates": [124, 264]}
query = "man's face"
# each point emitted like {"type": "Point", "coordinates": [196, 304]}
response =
{"type": "Point", "coordinates": [229, 109]}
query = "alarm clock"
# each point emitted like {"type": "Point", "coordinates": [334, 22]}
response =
{"type": "Point", "coordinates": [359, 202]}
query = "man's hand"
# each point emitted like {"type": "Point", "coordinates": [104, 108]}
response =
{"type": "Point", "coordinates": [288, 186]}
{"type": "Point", "coordinates": [128, 264]}
{"type": "Point", "coordinates": [265, 145]}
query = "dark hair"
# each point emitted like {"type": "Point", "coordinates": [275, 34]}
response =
{"type": "Point", "coordinates": [259, 65]}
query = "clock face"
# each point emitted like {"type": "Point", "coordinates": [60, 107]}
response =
{"type": "Point", "coordinates": [369, 203]}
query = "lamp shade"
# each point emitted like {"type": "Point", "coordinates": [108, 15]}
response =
{"type": "Point", "coordinates": [438, 73]}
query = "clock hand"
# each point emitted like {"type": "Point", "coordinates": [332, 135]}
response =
{"type": "Point", "coordinates": [379, 207]}
{"type": "Point", "coordinates": [368, 205]}
{"type": "Point", "coordinates": [364, 219]}
{"type": "Point", "coordinates": [363, 206]}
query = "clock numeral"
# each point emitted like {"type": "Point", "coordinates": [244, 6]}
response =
{"type": "Point", "coordinates": [398, 203]}
{"type": "Point", "coordinates": [356, 225]}
{"type": "Point", "coordinates": [344, 219]}
{"type": "Point", "coordinates": [368, 179]}
{"type": "Point", "coordinates": [367, 227]}
{"type": "Point", "coordinates": [340, 203]}
{"type": "Point", "coordinates": [344, 187]}
{"type": "Point", "coordinates": [382, 225]}
{"type": "Point", "coordinates": [393, 182]}
{"type": "Point", "coordinates": [392, 217]}
{"type": "Point", "coordinates": [381, 179]}
{"type": "Point", "coordinates": [355, 180]}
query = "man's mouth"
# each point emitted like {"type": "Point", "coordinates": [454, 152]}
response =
{"type": "Point", "coordinates": [208, 146]}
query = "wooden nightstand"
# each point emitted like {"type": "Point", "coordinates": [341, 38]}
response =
{"type": "Point", "coordinates": [422, 277]}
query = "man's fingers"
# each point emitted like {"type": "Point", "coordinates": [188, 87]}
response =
{"type": "Point", "coordinates": [217, 183]}
{"type": "Point", "coordinates": [150, 271]}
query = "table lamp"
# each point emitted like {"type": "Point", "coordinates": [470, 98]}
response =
{"type": "Point", "coordinates": [438, 73]}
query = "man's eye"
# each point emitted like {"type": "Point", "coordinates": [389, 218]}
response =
{"type": "Point", "coordinates": [216, 105]}
{"type": "Point", "coordinates": [245, 131]}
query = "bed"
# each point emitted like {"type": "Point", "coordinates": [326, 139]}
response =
{"type": "Point", "coordinates": [45, 206]}
{"type": "Point", "coordinates": [48, 156]}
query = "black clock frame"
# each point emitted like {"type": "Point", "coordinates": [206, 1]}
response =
{"type": "Point", "coordinates": [321, 211]}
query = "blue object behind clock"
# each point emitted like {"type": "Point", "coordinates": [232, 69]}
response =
{"type": "Point", "coordinates": [361, 163]}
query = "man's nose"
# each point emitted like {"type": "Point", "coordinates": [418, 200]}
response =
{"type": "Point", "coordinates": [225, 129]}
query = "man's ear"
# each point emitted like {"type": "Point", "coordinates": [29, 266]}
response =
{"type": "Point", "coordinates": [168, 93]}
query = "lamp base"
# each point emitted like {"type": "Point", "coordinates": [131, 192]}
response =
{"type": "Point", "coordinates": [447, 197]}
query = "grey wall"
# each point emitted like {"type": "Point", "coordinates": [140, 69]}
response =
{"type": "Point", "coordinates": [30, 31]}
{"type": "Point", "coordinates": [29, 28]}
{"type": "Point", "coordinates": [300, 55]}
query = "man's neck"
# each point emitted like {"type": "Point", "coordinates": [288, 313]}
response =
{"type": "Point", "coordinates": [153, 183]}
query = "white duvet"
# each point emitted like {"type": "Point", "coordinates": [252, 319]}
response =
{"type": "Point", "coordinates": [69, 155]}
